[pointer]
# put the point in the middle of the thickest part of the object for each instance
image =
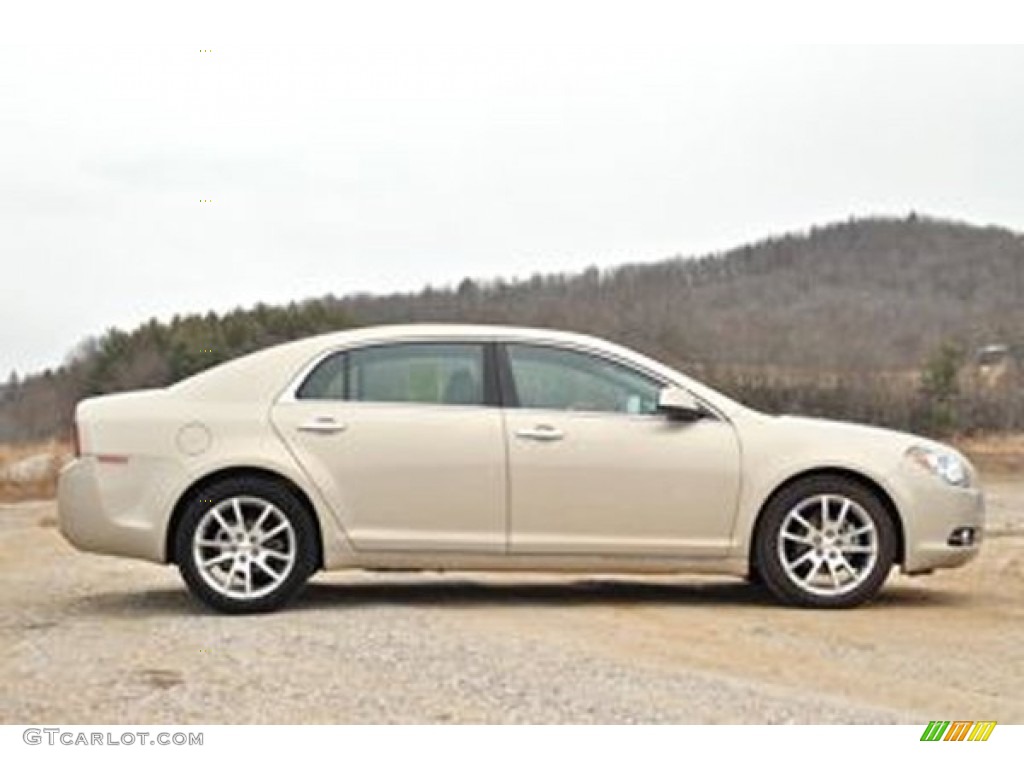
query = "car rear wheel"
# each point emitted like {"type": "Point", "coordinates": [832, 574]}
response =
{"type": "Point", "coordinates": [825, 542]}
{"type": "Point", "coordinates": [245, 545]}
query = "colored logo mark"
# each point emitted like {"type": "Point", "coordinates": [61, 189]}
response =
{"type": "Point", "coordinates": [958, 730]}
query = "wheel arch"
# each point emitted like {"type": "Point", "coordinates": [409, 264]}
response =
{"type": "Point", "coordinates": [227, 473]}
{"type": "Point", "coordinates": [867, 481]}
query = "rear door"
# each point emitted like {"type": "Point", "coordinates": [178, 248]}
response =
{"type": "Point", "coordinates": [406, 443]}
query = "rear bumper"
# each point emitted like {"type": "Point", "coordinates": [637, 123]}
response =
{"type": "Point", "coordinates": [115, 508]}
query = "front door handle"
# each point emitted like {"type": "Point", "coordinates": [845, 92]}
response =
{"type": "Point", "coordinates": [542, 432]}
{"type": "Point", "coordinates": [323, 425]}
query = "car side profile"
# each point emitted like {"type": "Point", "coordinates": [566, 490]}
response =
{"type": "Point", "coordinates": [449, 447]}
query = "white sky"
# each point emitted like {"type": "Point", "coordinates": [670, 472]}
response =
{"type": "Point", "coordinates": [422, 149]}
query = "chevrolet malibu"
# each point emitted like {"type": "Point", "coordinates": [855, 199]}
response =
{"type": "Point", "coordinates": [489, 448]}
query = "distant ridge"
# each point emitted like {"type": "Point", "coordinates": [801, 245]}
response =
{"type": "Point", "coordinates": [861, 296]}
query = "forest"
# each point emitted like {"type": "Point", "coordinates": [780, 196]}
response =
{"type": "Point", "coordinates": [878, 320]}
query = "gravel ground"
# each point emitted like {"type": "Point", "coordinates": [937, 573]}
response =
{"type": "Point", "coordinates": [87, 639]}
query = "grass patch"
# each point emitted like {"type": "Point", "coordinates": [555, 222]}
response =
{"type": "Point", "coordinates": [15, 486]}
{"type": "Point", "coordinates": [995, 454]}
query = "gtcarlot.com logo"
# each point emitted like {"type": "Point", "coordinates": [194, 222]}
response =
{"type": "Point", "coordinates": [958, 730]}
{"type": "Point", "coordinates": [59, 736]}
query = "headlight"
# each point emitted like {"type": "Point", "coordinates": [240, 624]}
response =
{"type": "Point", "coordinates": [943, 464]}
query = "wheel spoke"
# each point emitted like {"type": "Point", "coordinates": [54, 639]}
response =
{"type": "Point", "coordinates": [856, 548]}
{"type": "Point", "coordinates": [800, 519]}
{"type": "Point", "coordinates": [218, 543]}
{"type": "Point", "coordinates": [238, 514]}
{"type": "Point", "coordinates": [248, 578]}
{"type": "Point", "coordinates": [218, 559]}
{"type": "Point", "coordinates": [832, 571]}
{"type": "Point", "coordinates": [231, 574]}
{"type": "Point", "coordinates": [258, 525]}
{"type": "Point", "coordinates": [267, 570]}
{"type": "Point", "coordinates": [278, 555]}
{"type": "Point", "coordinates": [843, 562]}
{"type": "Point", "coordinates": [798, 539]}
{"type": "Point", "coordinates": [272, 533]}
{"type": "Point", "coordinates": [813, 571]}
{"type": "Point", "coordinates": [842, 514]}
{"type": "Point", "coordinates": [809, 554]}
{"type": "Point", "coordinates": [220, 520]}
{"type": "Point", "coordinates": [824, 512]}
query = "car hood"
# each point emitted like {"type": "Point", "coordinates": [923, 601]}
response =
{"type": "Point", "coordinates": [845, 429]}
{"type": "Point", "coordinates": [785, 445]}
{"type": "Point", "coordinates": [861, 433]}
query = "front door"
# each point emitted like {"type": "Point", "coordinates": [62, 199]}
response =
{"type": "Point", "coordinates": [595, 469]}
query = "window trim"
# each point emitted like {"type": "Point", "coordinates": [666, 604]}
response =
{"type": "Point", "coordinates": [493, 385]}
{"type": "Point", "coordinates": [503, 392]}
{"type": "Point", "coordinates": [491, 388]}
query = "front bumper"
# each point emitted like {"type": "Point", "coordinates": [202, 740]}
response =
{"type": "Point", "coordinates": [932, 511]}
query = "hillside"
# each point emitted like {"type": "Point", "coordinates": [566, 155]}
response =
{"type": "Point", "coordinates": [874, 293]}
{"type": "Point", "coordinates": [806, 318]}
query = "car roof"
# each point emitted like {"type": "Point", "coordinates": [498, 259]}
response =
{"type": "Point", "coordinates": [267, 369]}
{"type": "Point", "coordinates": [455, 330]}
{"type": "Point", "coordinates": [264, 373]}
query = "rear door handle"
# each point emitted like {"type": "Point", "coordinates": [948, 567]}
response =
{"type": "Point", "coordinates": [323, 425]}
{"type": "Point", "coordinates": [542, 432]}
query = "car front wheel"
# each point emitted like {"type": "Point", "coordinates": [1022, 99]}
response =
{"type": "Point", "coordinates": [825, 542]}
{"type": "Point", "coordinates": [245, 545]}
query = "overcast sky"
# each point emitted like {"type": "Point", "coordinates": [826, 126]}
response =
{"type": "Point", "coordinates": [385, 162]}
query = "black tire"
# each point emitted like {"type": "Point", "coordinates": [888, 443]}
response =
{"type": "Point", "coordinates": [754, 577]}
{"type": "Point", "coordinates": [255, 490]}
{"type": "Point", "coordinates": [766, 544]}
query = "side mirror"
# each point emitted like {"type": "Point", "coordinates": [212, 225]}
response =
{"type": "Point", "coordinates": [677, 403]}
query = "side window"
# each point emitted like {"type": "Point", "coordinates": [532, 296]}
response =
{"type": "Point", "coordinates": [326, 382]}
{"type": "Point", "coordinates": [451, 374]}
{"type": "Point", "coordinates": [565, 380]}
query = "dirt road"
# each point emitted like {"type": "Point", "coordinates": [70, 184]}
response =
{"type": "Point", "coordinates": [97, 640]}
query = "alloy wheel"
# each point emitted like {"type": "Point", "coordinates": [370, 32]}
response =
{"type": "Point", "coordinates": [828, 544]}
{"type": "Point", "coordinates": [244, 547]}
